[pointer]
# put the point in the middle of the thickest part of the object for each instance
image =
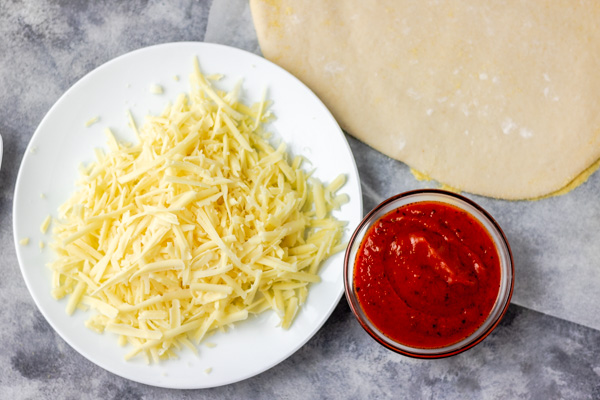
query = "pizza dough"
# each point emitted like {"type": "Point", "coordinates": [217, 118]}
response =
{"type": "Point", "coordinates": [495, 98]}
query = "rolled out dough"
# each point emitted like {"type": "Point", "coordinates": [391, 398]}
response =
{"type": "Point", "coordinates": [495, 98]}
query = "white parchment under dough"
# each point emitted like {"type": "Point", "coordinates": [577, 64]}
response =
{"type": "Point", "coordinates": [494, 98]}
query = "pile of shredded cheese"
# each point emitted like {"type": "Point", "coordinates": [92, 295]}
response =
{"type": "Point", "coordinates": [199, 225]}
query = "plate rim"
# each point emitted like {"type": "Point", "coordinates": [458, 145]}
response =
{"type": "Point", "coordinates": [28, 151]}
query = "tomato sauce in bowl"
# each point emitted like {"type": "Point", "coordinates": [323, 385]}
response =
{"type": "Point", "coordinates": [428, 273]}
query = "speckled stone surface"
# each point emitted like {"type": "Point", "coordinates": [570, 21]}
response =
{"type": "Point", "coordinates": [547, 346]}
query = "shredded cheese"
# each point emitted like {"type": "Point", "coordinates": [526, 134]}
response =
{"type": "Point", "coordinates": [156, 89]}
{"type": "Point", "coordinates": [196, 227]}
{"type": "Point", "coordinates": [92, 121]}
{"type": "Point", "coordinates": [45, 224]}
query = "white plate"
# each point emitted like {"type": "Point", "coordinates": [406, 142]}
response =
{"type": "Point", "coordinates": [62, 142]}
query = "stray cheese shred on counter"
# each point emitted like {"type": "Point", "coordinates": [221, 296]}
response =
{"type": "Point", "coordinates": [198, 226]}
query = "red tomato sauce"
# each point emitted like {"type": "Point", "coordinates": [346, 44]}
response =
{"type": "Point", "coordinates": [427, 274]}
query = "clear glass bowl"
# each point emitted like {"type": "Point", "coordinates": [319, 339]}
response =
{"type": "Point", "coordinates": [495, 232]}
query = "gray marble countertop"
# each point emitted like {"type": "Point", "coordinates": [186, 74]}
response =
{"type": "Point", "coordinates": [547, 346]}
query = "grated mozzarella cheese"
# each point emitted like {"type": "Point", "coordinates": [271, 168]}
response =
{"type": "Point", "coordinates": [199, 225]}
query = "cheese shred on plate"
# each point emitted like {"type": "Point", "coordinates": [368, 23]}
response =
{"type": "Point", "coordinates": [198, 226]}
